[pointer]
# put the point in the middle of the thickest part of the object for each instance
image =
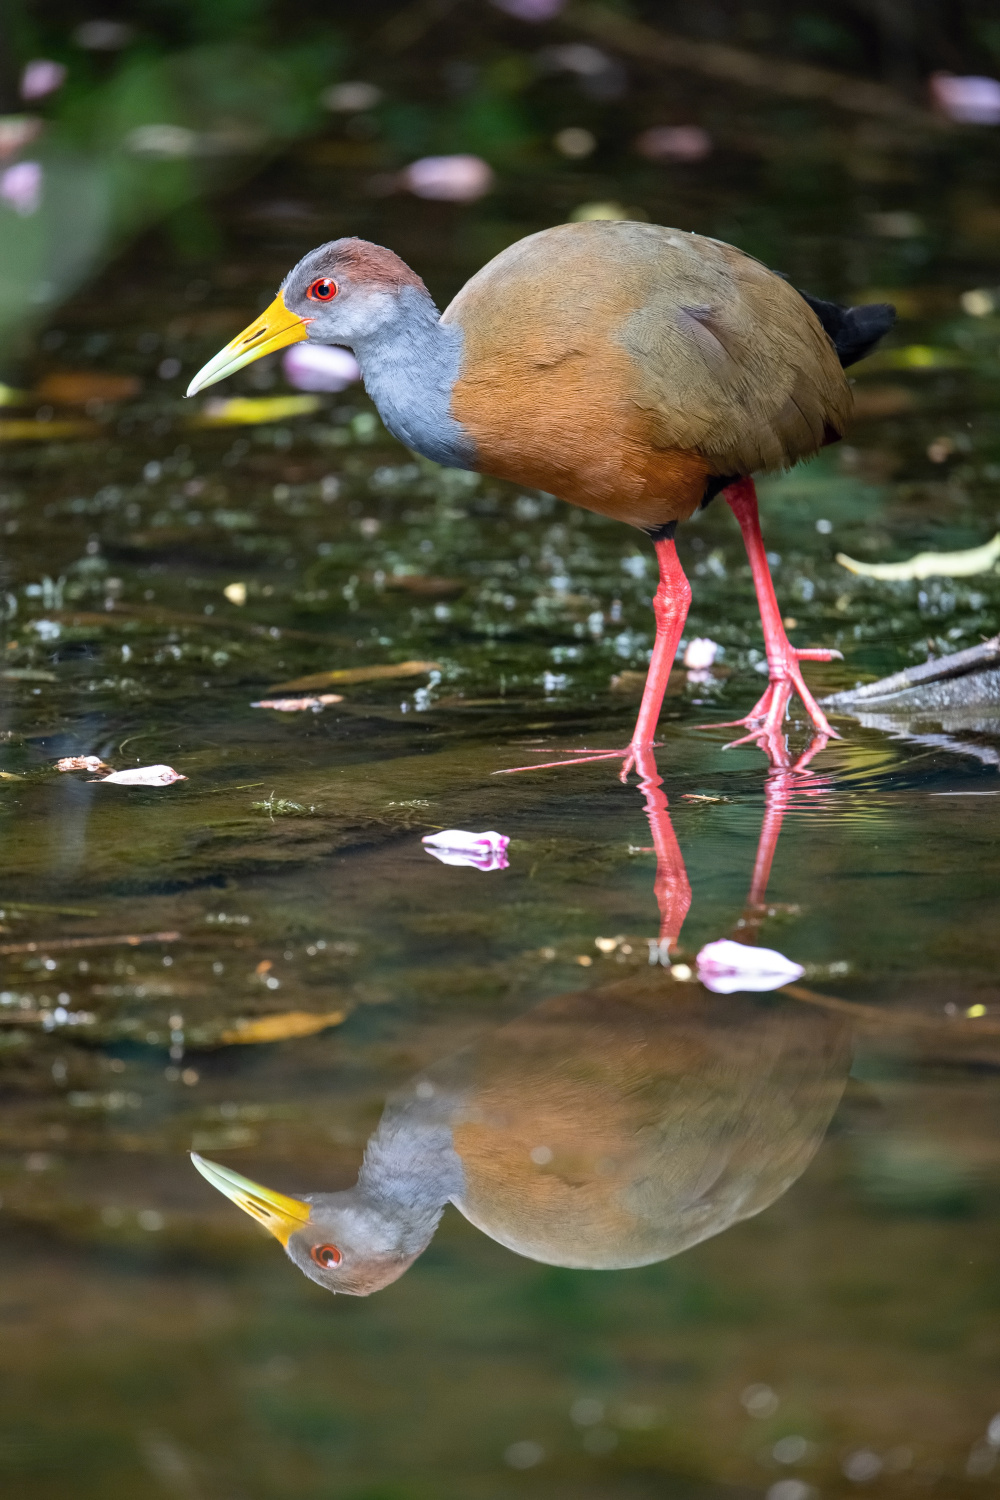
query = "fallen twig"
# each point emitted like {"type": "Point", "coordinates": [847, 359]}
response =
{"type": "Point", "coordinates": [131, 939]}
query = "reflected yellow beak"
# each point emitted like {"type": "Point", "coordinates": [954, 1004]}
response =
{"type": "Point", "coordinates": [281, 1215]}
{"type": "Point", "coordinates": [274, 329]}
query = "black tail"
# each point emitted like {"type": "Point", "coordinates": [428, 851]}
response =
{"type": "Point", "coordinates": [854, 331]}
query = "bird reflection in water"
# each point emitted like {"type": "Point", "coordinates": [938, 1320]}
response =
{"type": "Point", "coordinates": [608, 1128]}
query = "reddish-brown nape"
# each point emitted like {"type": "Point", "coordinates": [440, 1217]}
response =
{"type": "Point", "coordinates": [371, 265]}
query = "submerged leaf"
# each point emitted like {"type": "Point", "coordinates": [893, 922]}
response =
{"type": "Point", "coordinates": [929, 564]}
{"type": "Point", "coordinates": [14, 430]}
{"type": "Point", "coordinates": [299, 705]}
{"type": "Point", "coordinates": [281, 1027]}
{"type": "Point", "coordinates": [357, 674]}
{"type": "Point", "coordinates": [247, 411]}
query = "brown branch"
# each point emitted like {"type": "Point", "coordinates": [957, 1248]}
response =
{"type": "Point", "coordinates": [748, 69]}
{"type": "Point", "coordinates": [132, 939]}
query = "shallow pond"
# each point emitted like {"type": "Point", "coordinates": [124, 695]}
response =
{"type": "Point", "coordinates": [252, 961]}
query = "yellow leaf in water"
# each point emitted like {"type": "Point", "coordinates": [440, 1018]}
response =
{"type": "Point", "coordinates": [246, 411]}
{"type": "Point", "coordinates": [929, 564]}
{"type": "Point", "coordinates": [281, 1027]}
{"type": "Point", "coordinates": [357, 674]}
{"type": "Point", "coordinates": [15, 431]}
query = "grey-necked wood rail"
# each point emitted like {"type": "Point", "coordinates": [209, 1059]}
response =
{"type": "Point", "coordinates": [630, 369]}
{"type": "Point", "coordinates": [605, 1129]}
{"type": "Point", "coordinates": [608, 1128]}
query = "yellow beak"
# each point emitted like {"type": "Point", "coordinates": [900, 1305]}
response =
{"type": "Point", "coordinates": [281, 1215]}
{"type": "Point", "coordinates": [274, 329]}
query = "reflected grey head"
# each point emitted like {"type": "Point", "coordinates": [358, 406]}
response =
{"type": "Point", "coordinates": [344, 1242]}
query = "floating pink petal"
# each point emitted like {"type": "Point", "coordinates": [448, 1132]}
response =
{"type": "Point", "coordinates": [320, 367]}
{"type": "Point", "coordinates": [145, 776]}
{"type": "Point", "coordinates": [21, 187]}
{"type": "Point", "coordinates": [700, 653]}
{"type": "Point", "coordinates": [674, 143]}
{"type": "Point", "coordinates": [480, 851]}
{"type": "Point", "coordinates": [299, 705]}
{"type": "Point", "coordinates": [41, 76]}
{"type": "Point", "coordinates": [531, 10]}
{"type": "Point", "coordinates": [727, 967]}
{"type": "Point", "coordinates": [970, 100]}
{"type": "Point", "coordinates": [452, 179]}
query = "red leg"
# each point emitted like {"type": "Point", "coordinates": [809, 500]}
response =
{"type": "Point", "coordinates": [670, 607]}
{"type": "Point", "coordinates": [767, 715]}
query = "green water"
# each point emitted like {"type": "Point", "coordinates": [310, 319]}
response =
{"type": "Point", "coordinates": [155, 1341]}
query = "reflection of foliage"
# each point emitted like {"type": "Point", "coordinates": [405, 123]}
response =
{"type": "Point", "coordinates": [159, 133]}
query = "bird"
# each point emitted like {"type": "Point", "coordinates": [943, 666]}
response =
{"type": "Point", "coordinates": [608, 1128]}
{"type": "Point", "coordinates": [631, 369]}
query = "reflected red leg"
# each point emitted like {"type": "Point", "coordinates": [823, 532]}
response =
{"type": "Point", "coordinates": [670, 606]}
{"type": "Point", "coordinates": [767, 715]}
{"type": "Point", "coordinates": [672, 887]}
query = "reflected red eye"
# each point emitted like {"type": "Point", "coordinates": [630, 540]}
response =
{"type": "Point", "coordinates": [323, 290]}
{"type": "Point", "coordinates": [327, 1256]}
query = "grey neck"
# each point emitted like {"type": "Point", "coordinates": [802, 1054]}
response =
{"type": "Point", "coordinates": [409, 365]}
{"type": "Point", "coordinates": [410, 1166]}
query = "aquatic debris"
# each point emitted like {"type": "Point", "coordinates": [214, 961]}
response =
{"type": "Point", "coordinates": [351, 97]}
{"type": "Point", "coordinates": [92, 763]}
{"type": "Point", "coordinates": [531, 10]}
{"type": "Point", "coordinates": [128, 939]}
{"type": "Point", "coordinates": [281, 1027]}
{"type": "Point", "coordinates": [76, 387]}
{"type": "Point", "coordinates": [299, 705]}
{"type": "Point", "coordinates": [449, 179]}
{"type": "Point", "coordinates": [479, 851]}
{"type": "Point", "coordinates": [320, 367]}
{"type": "Point", "coordinates": [726, 968]}
{"type": "Point", "coordinates": [929, 564]}
{"type": "Point", "coordinates": [346, 675]}
{"type": "Point", "coordinates": [912, 357]}
{"type": "Point", "coordinates": [144, 776]}
{"type": "Point", "coordinates": [247, 411]}
{"type": "Point", "coordinates": [41, 76]}
{"type": "Point", "coordinates": [969, 100]}
{"type": "Point", "coordinates": [22, 430]}
{"type": "Point", "coordinates": [283, 808]}
{"type": "Point", "coordinates": [700, 653]}
{"type": "Point", "coordinates": [236, 593]}
{"type": "Point", "coordinates": [21, 187]}
{"type": "Point", "coordinates": [674, 143]}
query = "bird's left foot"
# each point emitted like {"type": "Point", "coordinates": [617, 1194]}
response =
{"type": "Point", "coordinates": [765, 719]}
{"type": "Point", "coordinates": [580, 757]}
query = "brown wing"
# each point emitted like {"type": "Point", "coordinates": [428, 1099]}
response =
{"type": "Point", "coordinates": [616, 364]}
{"type": "Point", "coordinates": [732, 362]}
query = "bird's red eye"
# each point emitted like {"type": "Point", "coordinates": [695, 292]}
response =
{"type": "Point", "coordinates": [327, 1256]}
{"type": "Point", "coordinates": [323, 290]}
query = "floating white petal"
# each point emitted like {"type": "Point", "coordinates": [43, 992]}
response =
{"type": "Point", "coordinates": [727, 967]}
{"type": "Point", "coordinates": [479, 851]}
{"type": "Point", "coordinates": [145, 776]}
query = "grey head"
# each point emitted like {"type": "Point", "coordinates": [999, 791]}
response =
{"type": "Point", "coordinates": [351, 292]}
{"type": "Point", "coordinates": [362, 296]}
